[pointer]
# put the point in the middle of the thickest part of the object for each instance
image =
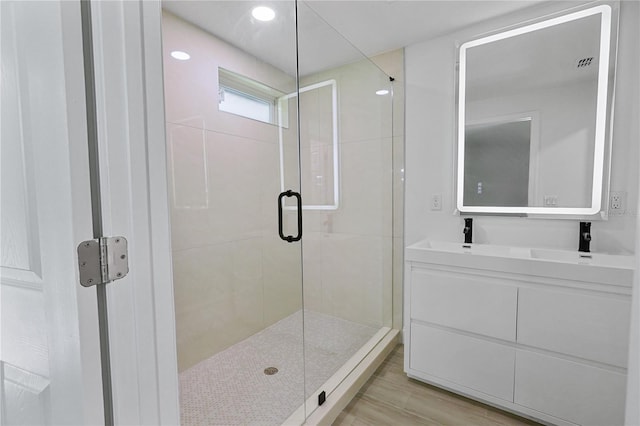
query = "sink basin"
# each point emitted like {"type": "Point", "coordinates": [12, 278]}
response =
{"type": "Point", "coordinates": [600, 259]}
{"type": "Point", "coordinates": [567, 264]}
{"type": "Point", "coordinates": [480, 249]}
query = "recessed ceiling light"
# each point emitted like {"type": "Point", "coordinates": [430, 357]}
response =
{"type": "Point", "coordinates": [263, 13]}
{"type": "Point", "coordinates": [180, 55]}
{"type": "Point", "coordinates": [382, 92]}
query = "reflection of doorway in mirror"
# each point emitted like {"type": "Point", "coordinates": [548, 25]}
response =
{"type": "Point", "coordinates": [501, 161]}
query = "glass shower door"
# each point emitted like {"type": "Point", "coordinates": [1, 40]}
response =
{"type": "Point", "coordinates": [267, 134]}
{"type": "Point", "coordinates": [238, 292]}
{"type": "Point", "coordinates": [346, 173]}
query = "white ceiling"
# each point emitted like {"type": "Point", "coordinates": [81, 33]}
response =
{"type": "Point", "coordinates": [379, 26]}
{"type": "Point", "coordinates": [331, 30]}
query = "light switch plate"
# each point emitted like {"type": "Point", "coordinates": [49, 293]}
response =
{"type": "Point", "coordinates": [436, 202]}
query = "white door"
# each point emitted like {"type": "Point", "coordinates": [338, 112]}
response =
{"type": "Point", "coordinates": [50, 361]}
{"type": "Point", "coordinates": [50, 369]}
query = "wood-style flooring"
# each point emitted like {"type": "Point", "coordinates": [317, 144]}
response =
{"type": "Point", "coordinates": [391, 398]}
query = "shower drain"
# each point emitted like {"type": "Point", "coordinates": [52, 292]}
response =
{"type": "Point", "coordinates": [270, 371]}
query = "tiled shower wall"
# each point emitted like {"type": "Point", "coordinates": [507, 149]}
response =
{"type": "Point", "coordinates": [349, 262]}
{"type": "Point", "coordinates": [233, 276]}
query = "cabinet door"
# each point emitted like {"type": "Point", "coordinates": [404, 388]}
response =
{"type": "Point", "coordinates": [571, 391]}
{"type": "Point", "coordinates": [475, 363]}
{"type": "Point", "coordinates": [586, 326]}
{"type": "Point", "coordinates": [472, 304]}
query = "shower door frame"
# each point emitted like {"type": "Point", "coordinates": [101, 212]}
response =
{"type": "Point", "coordinates": [131, 143]}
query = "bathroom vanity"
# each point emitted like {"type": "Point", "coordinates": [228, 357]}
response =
{"type": "Point", "coordinates": [542, 333]}
{"type": "Point", "coordinates": [539, 332]}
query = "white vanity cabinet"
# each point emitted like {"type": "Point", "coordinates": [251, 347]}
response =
{"type": "Point", "coordinates": [521, 333]}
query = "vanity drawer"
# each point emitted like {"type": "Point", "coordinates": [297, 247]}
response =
{"type": "Point", "coordinates": [586, 326]}
{"type": "Point", "coordinates": [470, 304]}
{"type": "Point", "coordinates": [477, 364]}
{"type": "Point", "coordinates": [568, 390]}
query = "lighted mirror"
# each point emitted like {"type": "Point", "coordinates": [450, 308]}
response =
{"type": "Point", "coordinates": [533, 117]}
{"type": "Point", "coordinates": [318, 172]}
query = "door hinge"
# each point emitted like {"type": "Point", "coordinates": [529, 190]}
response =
{"type": "Point", "coordinates": [103, 260]}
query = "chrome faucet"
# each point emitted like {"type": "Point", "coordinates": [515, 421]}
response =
{"type": "Point", "coordinates": [585, 236]}
{"type": "Point", "coordinates": [468, 230]}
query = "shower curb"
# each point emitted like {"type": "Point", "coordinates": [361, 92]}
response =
{"type": "Point", "coordinates": [344, 393]}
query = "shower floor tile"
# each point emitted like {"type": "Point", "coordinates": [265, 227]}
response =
{"type": "Point", "coordinates": [231, 387]}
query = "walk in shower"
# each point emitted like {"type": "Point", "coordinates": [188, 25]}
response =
{"type": "Point", "coordinates": [283, 190]}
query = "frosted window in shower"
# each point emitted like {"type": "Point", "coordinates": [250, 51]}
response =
{"type": "Point", "coordinates": [240, 95]}
{"type": "Point", "coordinates": [242, 104]}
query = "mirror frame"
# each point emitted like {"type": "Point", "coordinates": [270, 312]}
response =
{"type": "Point", "coordinates": [604, 92]}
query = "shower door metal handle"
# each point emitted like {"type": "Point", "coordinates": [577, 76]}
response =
{"type": "Point", "coordinates": [290, 238]}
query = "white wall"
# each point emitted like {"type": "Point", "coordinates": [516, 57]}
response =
{"type": "Point", "coordinates": [430, 142]}
{"type": "Point", "coordinates": [632, 415]}
{"type": "Point", "coordinates": [632, 63]}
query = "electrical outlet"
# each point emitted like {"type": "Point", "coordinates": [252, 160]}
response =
{"type": "Point", "coordinates": [551, 200]}
{"type": "Point", "coordinates": [617, 202]}
{"type": "Point", "coordinates": [436, 202]}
